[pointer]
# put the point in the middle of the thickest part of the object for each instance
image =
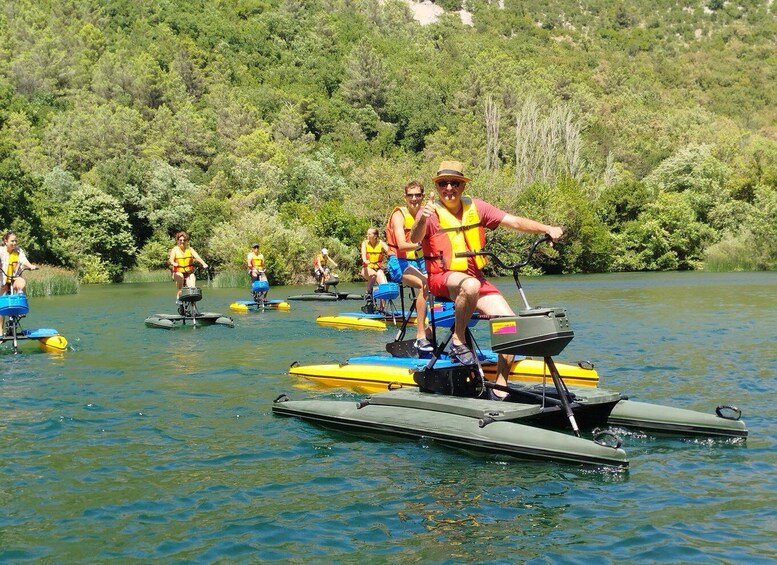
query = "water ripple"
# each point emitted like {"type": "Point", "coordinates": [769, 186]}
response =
{"type": "Point", "coordinates": [153, 446]}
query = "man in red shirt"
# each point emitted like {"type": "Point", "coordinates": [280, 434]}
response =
{"type": "Point", "coordinates": [456, 224]}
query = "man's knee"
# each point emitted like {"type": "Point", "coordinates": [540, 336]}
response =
{"type": "Point", "coordinates": [470, 287]}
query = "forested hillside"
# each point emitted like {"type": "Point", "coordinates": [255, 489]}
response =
{"type": "Point", "coordinates": [647, 128]}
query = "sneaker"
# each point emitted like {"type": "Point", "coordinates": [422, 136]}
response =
{"type": "Point", "coordinates": [494, 396]}
{"type": "Point", "coordinates": [368, 309]}
{"type": "Point", "coordinates": [423, 345]}
{"type": "Point", "coordinates": [462, 354]}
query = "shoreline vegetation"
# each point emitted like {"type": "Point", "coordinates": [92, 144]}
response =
{"type": "Point", "coordinates": [51, 281]}
{"type": "Point", "coordinates": [153, 276]}
{"type": "Point", "coordinates": [228, 278]}
{"type": "Point", "coordinates": [54, 281]}
{"type": "Point", "coordinates": [648, 134]}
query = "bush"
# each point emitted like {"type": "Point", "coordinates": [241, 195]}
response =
{"type": "Point", "coordinates": [91, 270]}
{"type": "Point", "coordinates": [733, 253]}
{"type": "Point", "coordinates": [154, 255]}
{"type": "Point", "coordinates": [96, 237]}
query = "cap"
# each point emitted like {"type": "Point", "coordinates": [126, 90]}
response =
{"type": "Point", "coordinates": [324, 251]}
{"type": "Point", "coordinates": [255, 246]}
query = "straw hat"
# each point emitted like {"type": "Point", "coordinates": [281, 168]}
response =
{"type": "Point", "coordinates": [450, 170]}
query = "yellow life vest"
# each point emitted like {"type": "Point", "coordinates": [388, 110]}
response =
{"type": "Point", "coordinates": [13, 264]}
{"type": "Point", "coordinates": [184, 263]}
{"type": "Point", "coordinates": [374, 255]}
{"type": "Point", "coordinates": [257, 261]}
{"type": "Point", "coordinates": [456, 236]}
{"type": "Point", "coordinates": [391, 239]}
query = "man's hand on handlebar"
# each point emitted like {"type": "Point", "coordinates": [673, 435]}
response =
{"type": "Point", "coordinates": [555, 233]}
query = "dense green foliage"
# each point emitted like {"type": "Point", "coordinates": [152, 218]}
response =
{"type": "Point", "coordinates": [647, 129]}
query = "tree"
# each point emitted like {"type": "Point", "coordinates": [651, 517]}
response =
{"type": "Point", "coordinates": [94, 236]}
{"type": "Point", "coordinates": [666, 236]}
{"type": "Point", "coordinates": [366, 82]}
{"type": "Point", "coordinates": [17, 209]}
{"type": "Point", "coordinates": [166, 198]}
{"type": "Point", "coordinates": [92, 132]}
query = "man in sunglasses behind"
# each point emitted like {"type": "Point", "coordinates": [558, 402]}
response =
{"type": "Point", "coordinates": [455, 224]}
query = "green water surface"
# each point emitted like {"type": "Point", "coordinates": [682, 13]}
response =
{"type": "Point", "coordinates": [144, 445]}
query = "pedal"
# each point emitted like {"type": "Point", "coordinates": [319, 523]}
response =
{"type": "Point", "coordinates": [368, 308]}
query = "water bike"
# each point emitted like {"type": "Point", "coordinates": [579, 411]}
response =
{"type": "Point", "coordinates": [326, 292]}
{"type": "Point", "coordinates": [14, 307]}
{"type": "Point", "coordinates": [376, 373]}
{"type": "Point", "coordinates": [373, 316]}
{"type": "Point", "coordinates": [457, 405]}
{"type": "Point", "coordinates": [259, 300]}
{"type": "Point", "coordinates": [188, 313]}
{"type": "Point", "coordinates": [379, 373]}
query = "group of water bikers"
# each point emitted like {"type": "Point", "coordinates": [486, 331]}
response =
{"type": "Point", "coordinates": [420, 251]}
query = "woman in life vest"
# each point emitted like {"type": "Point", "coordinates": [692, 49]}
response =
{"type": "Point", "coordinates": [374, 251]}
{"type": "Point", "coordinates": [181, 261]}
{"type": "Point", "coordinates": [255, 263]}
{"type": "Point", "coordinates": [405, 261]}
{"type": "Point", "coordinates": [456, 224]}
{"type": "Point", "coordinates": [13, 261]}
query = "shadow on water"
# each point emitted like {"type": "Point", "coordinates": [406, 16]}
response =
{"type": "Point", "coordinates": [146, 444]}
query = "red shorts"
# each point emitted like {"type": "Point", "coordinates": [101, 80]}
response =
{"type": "Point", "coordinates": [438, 287]}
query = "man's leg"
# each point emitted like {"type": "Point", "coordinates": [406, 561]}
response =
{"type": "Point", "coordinates": [464, 290]}
{"type": "Point", "coordinates": [496, 305]}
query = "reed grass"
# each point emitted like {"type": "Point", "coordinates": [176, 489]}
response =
{"type": "Point", "coordinates": [730, 255]}
{"type": "Point", "coordinates": [51, 281]}
{"type": "Point", "coordinates": [232, 279]}
{"type": "Point", "coordinates": [138, 276]}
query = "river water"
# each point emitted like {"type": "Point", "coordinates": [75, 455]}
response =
{"type": "Point", "coordinates": [144, 445]}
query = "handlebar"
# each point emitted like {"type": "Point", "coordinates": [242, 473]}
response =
{"type": "Point", "coordinates": [515, 267]}
{"type": "Point", "coordinates": [19, 271]}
